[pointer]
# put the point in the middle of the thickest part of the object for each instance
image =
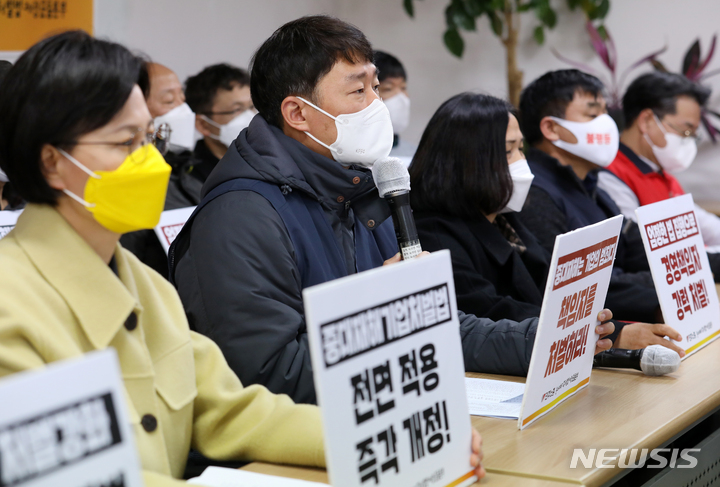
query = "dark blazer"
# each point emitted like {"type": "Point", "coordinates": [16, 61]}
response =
{"type": "Point", "coordinates": [492, 279]}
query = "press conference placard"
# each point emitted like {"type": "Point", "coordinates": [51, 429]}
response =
{"type": "Point", "coordinates": [171, 222]}
{"type": "Point", "coordinates": [577, 285]}
{"type": "Point", "coordinates": [389, 375]}
{"type": "Point", "coordinates": [681, 270]}
{"type": "Point", "coordinates": [66, 425]}
{"type": "Point", "coordinates": [8, 219]}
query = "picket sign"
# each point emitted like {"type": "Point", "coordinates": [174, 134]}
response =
{"type": "Point", "coordinates": [389, 375]}
{"type": "Point", "coordinates": [8, 220]}
{"type": "Point", "coordinates": [67, 424]}
{"type": "Point", "coordinates": [171, 222]}
{"type": "Point", "coordinates": [577, 285]}
{"type": "Point", "coordinates": [681, 270]}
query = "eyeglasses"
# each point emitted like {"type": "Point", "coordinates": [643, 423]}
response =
{"type": "Point", "coordinates": [690, 134]}
{"type": "Point", "coordinates": [229, 112]}
{"type": "Point", "coordinates": [160, 138]}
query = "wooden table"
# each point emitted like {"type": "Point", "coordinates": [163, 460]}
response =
{"type": "Point", "coordinates": [319, 475]}
{"type": "Point", "coordinates": [618, 409]}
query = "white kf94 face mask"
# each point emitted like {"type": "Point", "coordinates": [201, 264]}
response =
{"type": "Point", "coordinates": [362, 137]}
{"type": "Point", "coordinates": [677, 155]}
{"type": "Point", "coordinates": [181, 120]}
{"type": "Point", "coordinates": [399, 108]}
{"type": "Point", "coordinates": [522, 178]}
{"type": "Point", "coordinates": [597, 140]}
{"type": "Point", "coordinates": [230, 130]}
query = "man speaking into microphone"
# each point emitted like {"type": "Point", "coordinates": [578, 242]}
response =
{"type": "Point", "coordinates": [293, 204]}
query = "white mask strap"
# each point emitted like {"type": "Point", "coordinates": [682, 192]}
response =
{"type": "Point", "coordinates": [78, 199]}
{"type": "Point", "coordinates": [211, 122]}
{"type": "Point", "coordinates": [662, 127]}
{"type": "Point", "coordinates": [317, 108]}
{"type": "Point", "coordinates": [78, 164]}
{"type": "Point", "coordinates": [319, 142]}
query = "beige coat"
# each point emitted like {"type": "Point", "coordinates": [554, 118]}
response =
{"type": "Point", "coordinates": [58, 300]}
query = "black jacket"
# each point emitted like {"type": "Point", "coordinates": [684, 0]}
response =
{"type": "Point", "coordinates": [239, 281]}
{"type": "Point", "coordinates": [183, 191]}
{"type": "Point", "coordinates": [492, 278]}
{"type": "Point", "coordinates": [560, 202]}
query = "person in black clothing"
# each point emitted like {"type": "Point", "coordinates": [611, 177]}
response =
{"type": "Point", "coordinates": [564, 118]}
{"type": "Point", "coordinates": [291, 205]}
{"type": "Point", "coordinates": [469, 177]}
{"type": "Point", "coordinates": [220, 97]}
{"type": "Point", "coordinates": [183, 189]}
{"type": "Point", "coordinates": [9, 199]}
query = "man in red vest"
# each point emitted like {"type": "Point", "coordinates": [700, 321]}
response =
{"type": "Point", "coordinates": [662, 115]}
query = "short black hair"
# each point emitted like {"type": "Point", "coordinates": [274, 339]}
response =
{"type": "Point", "coordinates": [659, 91]}
{"type": "Point", "coordinates": [460, 167]}
{"type": "Point", "coordinates": [60, 89]}
{"type": "Point", "coordinates": [297, 55]}
{"type": "Point", "coordinates": [200, 90]}
{"type": "Point", "coordinates": [550, 95]}
{"type": "Point", "coordinates": [388, 66]}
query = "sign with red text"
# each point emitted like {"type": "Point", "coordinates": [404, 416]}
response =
{"type": "Point", "coordinates": [389, 376]}
{"type": "Point", "coordinates": [171, 222]}
{"type": "Point", "coordinates": [67, 425]}
{"type": "Point", "coordinates": [681, 271]}
{"type": "Point", "coordinates": [575, 293]}
{"type": "Point", "coordinates": [8, 219]}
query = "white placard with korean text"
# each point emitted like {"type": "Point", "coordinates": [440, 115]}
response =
{"type": "Point", "coordinates": [577, 285]}
{"type": "Point", "coordinates": [8, 219]}
{"type": "Point", "coordinates": [681, 271]}
{"type": "Point", "coordinates": [66, 424]}
{"type": "Point", "coordinates": [171, 222]}
{"type": "Point", "coordinates": [389, 375]}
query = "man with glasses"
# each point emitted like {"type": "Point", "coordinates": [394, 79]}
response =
{"type": "Point", "coordinates": [662, 115]}
{"type": "Point", "coordinates": [220, 97]}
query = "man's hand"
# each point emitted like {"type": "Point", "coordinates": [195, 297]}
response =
{"type": "Point", "coordinates": [397, 258]}
{"type": "Point", "coordinates": [641, 335]}
{"type": "Point", "coordinates": [604, 330]}
{"type": "Point", "coordinates": [477, 455]}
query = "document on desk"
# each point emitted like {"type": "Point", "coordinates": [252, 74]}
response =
{"type": "Point", "coordinates": [230, 477]}
{"type": "Point", "coordinates": [494, 398]}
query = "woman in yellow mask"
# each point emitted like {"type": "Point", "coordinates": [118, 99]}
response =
{"type": "Point", "coordinates": [76, 138]}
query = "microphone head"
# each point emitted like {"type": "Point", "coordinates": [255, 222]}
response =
{"type": "Point", "coordinates": [390, 176]}
{"type": "Point", "coordinates": [659, 360]}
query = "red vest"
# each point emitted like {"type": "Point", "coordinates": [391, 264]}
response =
{"type": "Point", "coordinates": [649, 186]}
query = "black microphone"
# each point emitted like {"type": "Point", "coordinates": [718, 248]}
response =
{"type": "Point", "coordinates": [393, 182]}
{"type": "Point", "coordinates": [653, 360]}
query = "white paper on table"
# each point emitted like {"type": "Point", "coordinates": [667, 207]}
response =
{"type": "Point", "coordinates": [494, 398]}
{"type": "Point", "coordinates": [230, 477]}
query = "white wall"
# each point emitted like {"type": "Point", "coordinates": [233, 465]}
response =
{"type": "Point", "coordinates": [187, 36]}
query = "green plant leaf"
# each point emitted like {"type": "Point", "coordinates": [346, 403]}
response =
{"type": "Point", "coordinates": [409, 7]}
{"type": "Point", "coordinates": [475, 8]}
{"type": "Point", "coordinates": [454, 42]}
{"type": "Point", "coordinates": [539, 34]}
{"type": "Point", "coordinates": [602, 9]}
{"type": "Point", "coordinates": [496, 23]}
{"type": "Point", "coordinates": [573, 4]}
{"type": "Point", "coordinates": [603, 32]}
{"type": "Point", "coordinates": [546, 15]}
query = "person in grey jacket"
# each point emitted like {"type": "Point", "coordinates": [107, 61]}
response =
{"type": "Point", "coordinates": [241, 264]}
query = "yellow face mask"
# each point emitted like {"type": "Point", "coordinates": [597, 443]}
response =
{"type": "Point", "coordinates": [129, 198]}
